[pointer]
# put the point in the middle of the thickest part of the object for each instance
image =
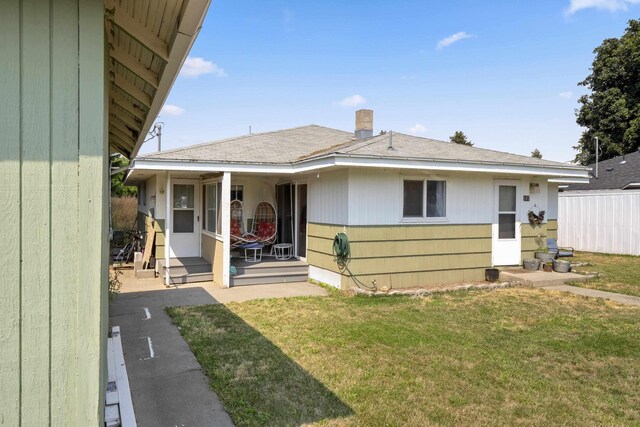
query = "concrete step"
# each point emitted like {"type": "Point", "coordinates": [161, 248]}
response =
{"type": "Point", "coordinates": [189, 269]}
{"type": "Point", "coordinates": [266, 278]}
{"type": "Point", "coordinates": [282, 268]}
{"type": "Point", "coordinates": [540, 279]}
{"type": "Point", "coordinates": [191, 278]}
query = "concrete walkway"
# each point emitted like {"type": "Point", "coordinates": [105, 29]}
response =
{"type": "Point", "coordinates": [167, 384]}
{"type": "Point", "coordinates": [612, 296]}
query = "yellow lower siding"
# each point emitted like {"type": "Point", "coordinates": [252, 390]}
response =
{"type": "Point", "coordinates": [532, 237]}
{"type": "Point", "coordinates": [552, 228]}
{"type": "Point", "coordinates": [144, 223]}
{"type": "Point", "coordinates": [217, 263]}
{"type": "Point", "coordinates": [405, 255]}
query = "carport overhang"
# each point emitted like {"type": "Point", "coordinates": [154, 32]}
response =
{"type": "Point", "coordinates": [146, 49]}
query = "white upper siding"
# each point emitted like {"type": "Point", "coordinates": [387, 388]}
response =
{"type": "Point", "coordinates": [328, 197]}
{"type": "Point", "coordinates": [375, 196]}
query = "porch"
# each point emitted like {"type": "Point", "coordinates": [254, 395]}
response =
{"type": "Point", "coordinates": [267, 271]}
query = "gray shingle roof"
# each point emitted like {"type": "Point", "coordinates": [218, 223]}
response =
{"type": "Point", "coordinates": [278, 147]}
{"type": "Point", "coordinates": [307, 142]}
{"type": "Point", "coordinates": [612, 174]}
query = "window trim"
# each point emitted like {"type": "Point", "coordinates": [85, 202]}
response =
{"type": "Point", "coordinates": [424, 219]}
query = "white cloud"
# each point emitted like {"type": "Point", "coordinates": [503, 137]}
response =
{"type": "Point", "coordinates": [417, 128]}
{"type": "Point", "coordinates": [565, 95]}
{"type": "Point", "coordinates": [448, 41]}
{"type": "Point", "coordinates": [171, 110]}
{"type": "Point", "coordinates": [195, 66]}
{"type": "Point", "coordinates": [352, 101]}
{"type": "Point", "coordinates": [610, 5]}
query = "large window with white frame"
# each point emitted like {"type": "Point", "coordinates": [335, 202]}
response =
{"type": "Point", "coordinates": [424, 199]}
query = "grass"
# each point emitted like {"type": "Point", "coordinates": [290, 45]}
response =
{"type": "Point", "coordinates": [509, 357]}
{"type": "Point", "coordinates": [620, 273]}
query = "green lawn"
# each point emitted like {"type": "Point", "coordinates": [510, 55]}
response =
{"type": "Point", "coordinates": [621, 273]}
{"type": "Point", "coordinates": [509, 357]}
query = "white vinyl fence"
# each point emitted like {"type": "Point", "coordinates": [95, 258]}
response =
{"type": "Point", "coordinates": [600, 221]}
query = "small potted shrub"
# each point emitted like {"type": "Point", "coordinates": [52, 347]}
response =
{"type": "Point", "coordinates": [548, 266]}
{"type": "Point", "coordinates": [542, 253]}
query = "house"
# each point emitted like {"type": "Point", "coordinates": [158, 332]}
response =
{"type": "Point", "coordinates": [79, 79]}
{"type": "Point", "coordinates": [603, 215]}
{"type": "Point", "coordinates": [417, 211]}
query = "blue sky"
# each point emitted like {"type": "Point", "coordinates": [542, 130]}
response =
{"type": "Point", "coordinates": [503, 72]}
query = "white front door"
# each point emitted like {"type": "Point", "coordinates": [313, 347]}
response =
{"type": "Point", "coordinates": [185, 218]}
{"type": "Point", "coordinates": [506, 223]}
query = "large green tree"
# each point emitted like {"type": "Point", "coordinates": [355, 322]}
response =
{"type": "Point", "coordinates": [460, 138]}
{"type": "Point", "coordinates": [611, 111]}
{"type": "Point", "coordinates": [118, 189]}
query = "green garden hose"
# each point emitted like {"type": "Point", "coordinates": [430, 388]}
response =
{"type": "Point", "coordinates": [341, 250]}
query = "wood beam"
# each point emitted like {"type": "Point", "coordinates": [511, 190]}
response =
{"type": "Point", "coordinates": [133, 65]}
{"type": "Point", "coordinates": [121, 126]}
{"type": "Point", "coordinates": [120, 134]}
{"type": "Point", "coordinates": [125, 118]}
{"type": "Point", "coordinates": [138, 31]}
{"type": "Point", "coordinates": [131, 107]}
{"type": "Point", "coordinates": [132, 90]}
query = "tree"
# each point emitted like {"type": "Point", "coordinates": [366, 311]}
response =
{"type": "Point", "coordinates": [611, 111]}
{"type": "Point", "coordinates": [118, 189]}
{"type": "Point", "coordinates": [536, 153]}
{"type": "Point", "coordinates": [460, 138]}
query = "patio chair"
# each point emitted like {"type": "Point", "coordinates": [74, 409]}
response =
{"type": "Point", "coordinates": [237, 233]}
{"type": "Point", "coordinates": [552, 244]}
{"type": "Point", "coordinates": [264, 226]}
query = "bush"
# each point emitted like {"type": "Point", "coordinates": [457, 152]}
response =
{"type": "Point", "coordinates": [124, 213]}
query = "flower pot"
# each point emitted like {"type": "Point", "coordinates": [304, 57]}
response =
{"type": "Point", "coordinates": [491, 274]}
{"type": "Point", "coordinates": [544, 256]}
{"type": "Point", "coordinates": [548, 267]}
{"type": "Point", "coordinates": [531, 264]}
{"type": "Point", "coordinates": [560, 266]}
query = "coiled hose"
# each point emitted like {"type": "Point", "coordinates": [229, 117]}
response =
{"type": "Point", "coordinates": [341, 250]}
{"type": "Point", "coordinates": [342, 255]}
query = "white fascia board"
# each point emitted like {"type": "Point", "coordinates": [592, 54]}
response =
{"type": "Point", "coordinates": [356, 161]}
{"type": "Point", "coordinates": [569, 180]}
{"type": "Point", "coordinates": [458, 166]}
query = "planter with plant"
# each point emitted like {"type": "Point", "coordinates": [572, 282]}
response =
{"type": "Point", "coordinates": [542, 253]}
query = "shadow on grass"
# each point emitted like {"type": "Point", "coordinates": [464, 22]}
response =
{"type": "Point", "coordinates": [257, 382]}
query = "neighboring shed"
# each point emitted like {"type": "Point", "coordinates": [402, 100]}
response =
{"type": "Point", "coordinates": [603, 215]}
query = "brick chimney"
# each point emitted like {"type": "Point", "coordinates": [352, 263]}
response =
{"type": "Point", "coordinates": [364, 124]}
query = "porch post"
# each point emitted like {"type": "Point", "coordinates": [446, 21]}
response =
{"type": "Point", "coordinates": [225, 198]}
{"type": "Point", "coordinates": [167, 228]}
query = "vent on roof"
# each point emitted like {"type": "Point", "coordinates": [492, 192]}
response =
{"type": "Point", "coordinates": [364, 124]}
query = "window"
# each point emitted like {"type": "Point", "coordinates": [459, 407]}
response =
{"type": "Point", "coordinates": [424, 199]}
{"type": "Point", "coordinates": [211, 213]}
{"type": "Point", "coordinates": [507, 212]}
{"type": "Point", "coordinates": [183, 208]}
{"type": "Point", "coordinates": [237, 193]}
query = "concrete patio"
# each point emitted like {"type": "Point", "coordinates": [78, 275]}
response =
{"type": "Point", "coordinates": [541, 278]}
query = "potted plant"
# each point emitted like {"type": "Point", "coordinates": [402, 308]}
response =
{"type": "Point", "coordinates": [542, 253]}
{"type": "Point", "coordinates": [548, 266]}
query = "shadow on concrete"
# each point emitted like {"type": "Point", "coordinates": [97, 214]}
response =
{"type": "Point", "coordinates": [257, 382]}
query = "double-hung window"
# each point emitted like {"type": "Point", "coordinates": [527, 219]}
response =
{"type": "Point", "coordinates": [424, 198]}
